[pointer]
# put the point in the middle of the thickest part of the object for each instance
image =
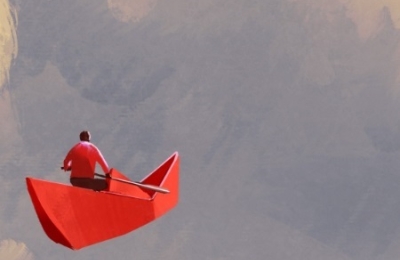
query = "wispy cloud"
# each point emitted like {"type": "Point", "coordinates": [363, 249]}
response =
{"type": "Point", "coordinates": [367, 14]}
{"type": "Point", "coordinates": [8, 39]}
{"type": "Point", "coordinates": [12, 250]}
{"type": "Point", "coordinates": [130, 10]}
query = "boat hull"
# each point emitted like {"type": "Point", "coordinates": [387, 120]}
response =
{"type": "Point", "coordinates": [77, 217]}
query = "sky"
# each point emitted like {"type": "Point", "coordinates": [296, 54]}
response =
{"type": "Point", "coordinates": [284, 113]}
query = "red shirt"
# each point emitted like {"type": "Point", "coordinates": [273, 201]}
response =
{"type": "Point", "coordinates": [82, 160]}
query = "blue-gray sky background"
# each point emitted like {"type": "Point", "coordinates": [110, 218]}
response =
{"type": "Point", "coordinates": [285, 114]}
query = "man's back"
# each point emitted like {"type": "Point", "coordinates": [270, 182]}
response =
{"type": "Point", "coordinates": [82, 160]}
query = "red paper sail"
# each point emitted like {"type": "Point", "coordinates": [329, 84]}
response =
{"type": "Point", "coordinates": [77, 217]}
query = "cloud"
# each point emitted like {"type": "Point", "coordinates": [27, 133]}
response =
{"type": "Point", "coordinates": [8, 39]}
{"type": "Point", "coordinates": [367, 14]}
{"type": "Point", "coordinates": [130, 10]}
{"type": "Point", "coordinates": [12, 250]}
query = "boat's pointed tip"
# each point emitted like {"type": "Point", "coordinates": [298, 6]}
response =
{"type": "Point", "coordinates": [74, 248]}
{"type": "Point", "coordinates": [28, 180]}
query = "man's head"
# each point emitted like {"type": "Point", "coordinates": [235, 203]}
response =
{"type": "Point", "coordinates": [85, 136]}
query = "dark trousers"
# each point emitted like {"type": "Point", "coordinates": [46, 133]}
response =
{"type": "Point", "coordinates": [88, 183]}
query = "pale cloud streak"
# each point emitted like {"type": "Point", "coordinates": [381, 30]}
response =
{"type": "Point", "coordinates": [12, 250]}
{"type": "Point", "coordinates": [367, 14]}
{"type": "Point", "coordinates": [8, 39]}
{"type": "Point", "coordinates": [130, 10]}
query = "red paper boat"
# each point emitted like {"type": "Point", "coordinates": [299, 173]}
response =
{"type": "Point", "coordinates": [77, 217]}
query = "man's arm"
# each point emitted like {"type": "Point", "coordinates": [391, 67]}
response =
{"type": "Point", "coordinates": [67, 160]}
{"type": "Point", "coordinates": [100, 159]}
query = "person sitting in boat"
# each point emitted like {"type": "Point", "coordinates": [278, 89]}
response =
{"type": "Point", "coordinates": [81, 161]}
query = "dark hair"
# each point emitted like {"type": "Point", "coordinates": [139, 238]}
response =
{"type": "Point", "coordinates": [84, 136]}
